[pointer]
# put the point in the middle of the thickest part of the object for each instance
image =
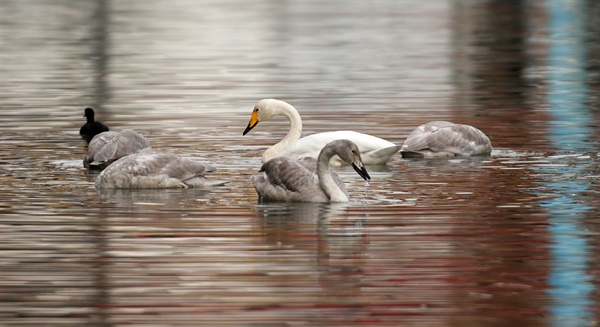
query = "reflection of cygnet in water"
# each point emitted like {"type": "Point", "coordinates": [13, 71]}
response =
{"type": "Point", "coordinates": [134, 199]}
{"type": "Point", "coordinates": [326, 235]}
{"type": "Point", "coordinates": [327, 219]}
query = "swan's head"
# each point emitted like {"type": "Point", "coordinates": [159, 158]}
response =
{"type": "Point", "coordinates": [348, 151]}
{"type": "Point", "coordinates": [265, 109]}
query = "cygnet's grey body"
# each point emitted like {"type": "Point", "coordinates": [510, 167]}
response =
{"type": "Point", "coordinates": [445, 139]}
{"type": "Point", "coordinates": [107, 147]}
{"type": "Point", "coordinates": [155, 170]}
{"type": "Point", "coordinates": [306, 179]}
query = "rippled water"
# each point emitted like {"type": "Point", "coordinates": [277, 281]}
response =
{"type": "Point", "coordinates": [509, 240]}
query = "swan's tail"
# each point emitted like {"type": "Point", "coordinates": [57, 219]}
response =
{"type": "Point", "coordinates": [382, 156]}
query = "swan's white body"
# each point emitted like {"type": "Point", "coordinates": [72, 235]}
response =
{"type": "Point", "coordinates": [107, 147]}
{"type": "Point", "coordinates": [445, 139]}
{"type": "Point", "coordinates": [374, 150]}
{"type": "Point", "coordinates": [307, 179]}
{"type": "Point", "coordinates": [155, 170]}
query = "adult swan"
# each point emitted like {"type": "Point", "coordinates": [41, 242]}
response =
{"type": "Point", "coordinates": [374, 150]}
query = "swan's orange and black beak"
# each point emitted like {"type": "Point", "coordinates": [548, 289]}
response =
{"type": "Point", "coordinates": [253, 122]}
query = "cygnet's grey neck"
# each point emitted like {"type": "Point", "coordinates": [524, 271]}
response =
{"type": "Point", "coordinates": [325, 180]}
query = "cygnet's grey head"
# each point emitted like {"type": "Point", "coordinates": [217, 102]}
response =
{"type": "Point", "coordinates": [349, 152]}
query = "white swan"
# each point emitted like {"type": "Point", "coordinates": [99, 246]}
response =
{"type": "Point", "coordinates": [107, 147]}
{"type": "Point", "coordinates": [289, 180]}
{"type": "Point", "coordinates": [374, 150]}
{"type": "Point", "coordinates": [155, 170]}
{"type": "Point", "coordinates": [445, 139]}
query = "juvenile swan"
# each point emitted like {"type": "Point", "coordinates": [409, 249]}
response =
{"type": "Point", "coordinates": [91, 127]}
{"type": "Point", "coordinates": [289, 180]}
{"type": "Point", "coordinates": [374, 150]}
{"type": "Point", "coordinates": [155, 170]}
{"type": "Point", "coordinates": [445, 139]}
{"type": "Point", "coordinates": [107, 147]}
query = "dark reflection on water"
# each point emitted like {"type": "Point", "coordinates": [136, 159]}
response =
{"type": "Point", "coordinates": [508, 240]}
{"type": "Point", "coordinates": [99, 41]}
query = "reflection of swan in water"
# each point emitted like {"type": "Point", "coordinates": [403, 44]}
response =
{"type": "Point", "coordinates": [91, 128]}
{"type": "Point", "coordinates": [107, 147]}
{"type": "Point", "coordinates": [289, 180]}
{"type": "Point", "coordinates": [445, 163]}
{"type": "Point", "coordinates": [156, 170]}
{"type": "Point", "coordinates": [445, 139]}
{"type": "Point", "coordinates": [323, 219]}
{"type": "Point", "coordinates": [374, 150]}
{"type": "Point", "coordinates": [325, 235]}
{"type": "Point", "coordinates": [152, 198]}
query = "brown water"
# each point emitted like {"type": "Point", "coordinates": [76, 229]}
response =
{"type": "Point", "coordinates": [509, 240]}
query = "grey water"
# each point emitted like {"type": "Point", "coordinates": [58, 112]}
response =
{"type": "Point", "coordinates": [506, 240]}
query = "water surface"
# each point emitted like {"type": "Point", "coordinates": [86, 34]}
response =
{"type": "Point", "coordinates": [506, 240]}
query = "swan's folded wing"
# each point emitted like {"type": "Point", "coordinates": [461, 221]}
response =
{"type": "Point", "coordinates": [418, 139]}
{"type": "Point", "coordinates": [449, 138]}
{"type": "Point", "coordinates": [311, 165]}
{"type": "Point", "coordinates": [100, 140]}
{"type": "Point", "coordinates": [103, 147]}
{"type": "Point", "coordinates": [135, 139]}
{"type": "Point", "coordinates": [109, 146]}
{"type": "Point", "coordinates": [459, 139]}
{"type": "Point", "coordinates": [181, 168]}
{"type": "Point", "coordinates": [129, 142]}
{"type": "Point", "coordinates": [289, 175]}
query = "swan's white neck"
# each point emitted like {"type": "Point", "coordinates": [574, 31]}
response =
{"type": "Point", "coordinates": [293, 134]}
{"type": "Point", "coordinates": [326, 182]}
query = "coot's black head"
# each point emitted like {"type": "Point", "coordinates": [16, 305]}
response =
{"type": "Point", "coordinates": [89, 113]}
